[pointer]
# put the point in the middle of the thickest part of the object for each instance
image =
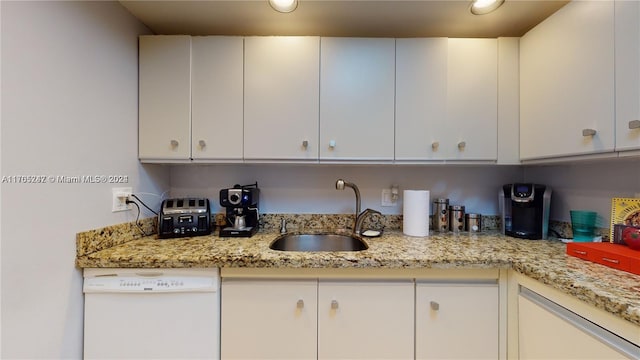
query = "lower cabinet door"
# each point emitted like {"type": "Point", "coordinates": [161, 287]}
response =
{"type": "Point", "coordinates": [269, 319]}
{"type": "Point", "coordinates": [365, 320]}
{"type": "Point", "coordinates": [546, 330]}
{"type": "Point", "coordinates": [457, 320]}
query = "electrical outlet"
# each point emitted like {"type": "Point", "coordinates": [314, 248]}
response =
{"type": "Point", "coordinates": [386, 198]}
{"type": "Point", "coordinates": [119, 196]}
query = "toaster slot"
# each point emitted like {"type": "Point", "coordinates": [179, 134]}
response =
{"type": "Point", "coordinates": [180, 203]}
{"type": "Point", "coordinates": [203, 224]}
{"type": "Point", "coordinates": [167, 225]}
{"type": "Point", "coordinates": [192, 202]}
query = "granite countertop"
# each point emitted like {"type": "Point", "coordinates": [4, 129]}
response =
{"type": "Point", "coordinates": [614, 291]}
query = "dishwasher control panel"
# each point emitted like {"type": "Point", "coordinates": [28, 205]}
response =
{"type": "Point", "coordinates": [116, 283]}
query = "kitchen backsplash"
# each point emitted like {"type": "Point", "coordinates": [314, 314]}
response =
{"type": "Point", "coordinates": [91, 241]}
{"type": "Point", "coordinates": [99, 239]}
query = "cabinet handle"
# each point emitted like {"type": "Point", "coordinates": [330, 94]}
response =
{"type": "Point", "coordinates": [614, 261]}
{"type": "Point", "coordinates": [334, 304]}
{"type": "Point", "coordinates": [174, 143]}
{"type": "Point", "coordinates": [435, 145]}
{"type": "Point", "coordinates": [634, 124]}
{"type": "Point", "coordinates": [588, 132]}
{"type": "Point", "coordinates": [332, 144]}
{"type": "Point", "coordinates": [462, 145]}
{"type": "Point", "coordinates": [305, 144]}
{"type": "Point", "coordinates": [434, 306]}
{"type": "Point", "coordinates": [300, 304]}
{"type": "Point", "coordinates": [202, 143]}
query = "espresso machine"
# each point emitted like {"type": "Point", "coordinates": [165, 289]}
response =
{"type": "Point", "coordinates": [242, 215]}
{"type": "Point", "coordinates": [525, 210]}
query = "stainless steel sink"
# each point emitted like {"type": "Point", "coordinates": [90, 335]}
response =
{"type": "Point", "coordinates": [318, 242]}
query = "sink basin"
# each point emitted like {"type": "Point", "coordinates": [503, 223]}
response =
{"type": "Point", "coordinates": [318, 242]}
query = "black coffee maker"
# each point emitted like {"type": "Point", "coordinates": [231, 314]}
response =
{"type": "Point", "coordinates": [242, 215]}
{"type": "Point", "coordinates": [525, 210]}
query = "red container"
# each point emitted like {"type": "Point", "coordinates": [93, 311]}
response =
{"type": "Point", "coordinates": [616, 256]}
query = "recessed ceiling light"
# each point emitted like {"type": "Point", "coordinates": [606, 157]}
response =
{"type": "Point", "coordinates": [481, 7]}
{"type": "Point", "coordinates": [284, 6]}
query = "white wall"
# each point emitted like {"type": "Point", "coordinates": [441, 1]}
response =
{"type": "Point", "coordinates": [587, 186]}
{"type": "Point", "coordinates": [311, 188]}
{"type": "Point", "coordinates": [69, 107]}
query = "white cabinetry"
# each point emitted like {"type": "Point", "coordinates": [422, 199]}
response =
{"type": "Point", "coordinates": [164, 98]}
{"type": "Point", "coordinates": [304, 319]}
{"type": "Point", "coordinates": [421, 99]}
{"type": "Point", "coordinates": [357, 78]}
{"type": "Point", "coordinates": [190, 98]}
{"type": "Point", "coordinates": [446, 107]}
{"type": "Point", "coordinates": [567, 83]}
{"type": "Point", "coordinates": [281, 92]}
{"type": "Point", "coordinates": [472, 99]}
{"type": "Point", "coordinates": [365, 320]}
{"type": "Point", "coordinates": [216, 98]}
{"type": "Point", "coordinates": [548, 331]}
{"type": "Point", "coordinates": [269, 319]}
{"type": "Point", "coordinates": [509, 100]}
{"type": "Point", "coordinates": [627, 47]}
{"type": "Point", "coordinates": [457, 320]}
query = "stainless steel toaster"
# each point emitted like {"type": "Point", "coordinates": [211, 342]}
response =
{"type": "Point", "coordinates": [184, 217]}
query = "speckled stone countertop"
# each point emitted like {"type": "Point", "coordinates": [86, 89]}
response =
{"type": "Point", "coordinates": [614, 291]}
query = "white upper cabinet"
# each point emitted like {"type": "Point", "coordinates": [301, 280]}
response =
{"type": "Point", "coordinates": [281, 98]}
{"type": "Point", "coordinates": [627, 15]}
{"type": "Point", "coordinates": [509, 100]}
{"type": "Point", "coordinates": [446, 99]}
{"type": "Point", "coordinates": [357, 78]}
{"type": "Point", "coordinates": [164, 118]}
{"type": "Point", "coordinates": [472, 99]}
{"type": "Point", "coordinates": [421, 99]}
{"type": "Point", "coordinates": [216, 98]}
{"type": "Point", "coordinates": [567, 83]}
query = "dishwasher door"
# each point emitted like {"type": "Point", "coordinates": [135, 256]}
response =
{"type": "Point", "coordinates": [151, 314]}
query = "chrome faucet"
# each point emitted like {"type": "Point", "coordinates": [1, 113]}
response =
{"type": "Point", "coordinates": [357, 229]}
{"type": "Point", "coordinates": [359, 218]}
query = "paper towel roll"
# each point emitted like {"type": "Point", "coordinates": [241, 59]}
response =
{"type": "Point", "coordinates": [415, 212]}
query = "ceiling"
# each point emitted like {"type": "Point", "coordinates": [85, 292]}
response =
{"type": "Point", "coordinates": [364, 18]}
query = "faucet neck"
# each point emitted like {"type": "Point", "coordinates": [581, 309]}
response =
{"type": "Point", "coordinates": [357, 228]}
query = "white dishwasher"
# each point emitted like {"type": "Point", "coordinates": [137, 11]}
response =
{"type": "Point", "coordinates": [151, 314]}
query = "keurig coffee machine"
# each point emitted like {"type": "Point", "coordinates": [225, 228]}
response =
{"type": "Point", "coordinates": [242, 215]}
{"type": "Point", "coordinates": [525, 210]}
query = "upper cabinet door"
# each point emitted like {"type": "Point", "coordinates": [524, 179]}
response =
{"type": "Point", "coordinates": [567, 82]}
{"type": "Point", "coordinates": [421, 99]}
{"type": "Point", "coordinates": [627, 15]}
{"type": "Point", "coordinates": [446, 99]}
{"type": "Point", "coordinates": [472, 100]}
{"type": "Point", "coordinates": [216, 97]}
{"type": "Point", "coordinates": [357, 78]}
{"type": "Point", "coordinates": [281, 98]}
{"type": "Point", "coordinates": [164, 118]}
